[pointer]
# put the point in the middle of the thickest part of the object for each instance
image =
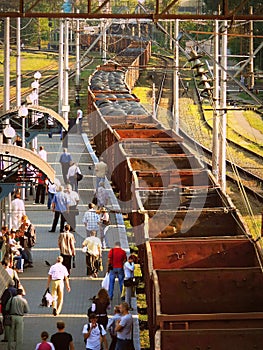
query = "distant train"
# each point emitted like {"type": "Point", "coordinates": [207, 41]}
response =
{"type": "Point", "coordinates": [202, 271]}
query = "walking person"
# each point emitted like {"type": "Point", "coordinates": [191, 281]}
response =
{"type": "Point", "coordinates": [104, 222]}
{"type": "Point", "coordinates": [41, 188]}
{"type": "Point", "coordinates": [52, 190]}
{"type": "Point", "coordinates": [91, 219]}
{"type": "Point", "coordinates": [128, 276]}
{"type": "Point", "coordinates": [73, 197]}
{"type": "Point", "coordinates": [101, 169]}
{"type": "Point", "coordinates": [17, 307]}
{"type": "Point", "coordinates": [124, 327]}
{"type": "Point", "coordinates": [57, 274]}
{"type": "Point", "coordinates": [93, 254]}
{"type": "Point", "coordinates": [102, 195]}
{"type": "Point", "coordinates": [60, 207]}
{"type": "Point", "coordinates": [44, 345]}
{"type": "Point", "coordinates": [94, 334]}
{"type": "Point", "coordinates": [116, 259]}
{"type": "Point", "coordinates": [79, 120]}
{"type": "Point", "coordinates": [66, 244]}
{"type": "Point", "coordinates": [112, 325]}
{"type": "Point", "coordinates": [42, 153]}
{"type": "Point", "coordinates": [62, 340]}
{"type": "Point", "coordinates": [100, 306]}
{"type": "Point", "coordinates": [64, 160]}
{"type": "Point", "coordinates": [18, 209]}
{"type": "Point", "coordinates": [72, 175]}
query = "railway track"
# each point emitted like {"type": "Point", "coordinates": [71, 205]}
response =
{"type": "Point", "coordinates": [47, 84]}
{"type": "Point", "coordinates": [253, 183]}
{"type": "Point", "coordinates": [246, 176]}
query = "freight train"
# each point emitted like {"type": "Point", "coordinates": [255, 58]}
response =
{"type": "Point", "coordinates": [202, 270]}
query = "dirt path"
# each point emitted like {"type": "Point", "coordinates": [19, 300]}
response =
{"type": "Point", "coordinates": [244, 124]}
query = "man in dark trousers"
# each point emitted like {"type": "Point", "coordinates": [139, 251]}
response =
{"type": "Point", "coordinates": [60, 207]}
{"type": "Point", "coordinates": [116, 259]}
{"type": "Point", "coordinates": [62, 340]}
{"type": "Point", "coordinates": [64, 160]}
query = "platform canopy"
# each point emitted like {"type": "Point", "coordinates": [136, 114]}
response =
{"type": "Point", "coordinates": [40, 120]}
{"type": "Point", "coordinates": [18, 166]}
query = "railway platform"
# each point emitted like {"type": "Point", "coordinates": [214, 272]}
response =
{"type": "Point", "coordinates": [83, 288]}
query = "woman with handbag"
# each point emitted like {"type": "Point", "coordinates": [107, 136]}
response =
{"type": "Point", "coordinates": [128, 279]}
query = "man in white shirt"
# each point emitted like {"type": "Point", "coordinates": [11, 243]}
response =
{"type": "Point", "coordinates": [93, 254]}
{"type": "Point", "coordinates": [73, 197]}
{"type": "Point", "coordinates": [72, 175]}
{"type": "Point", "coordinates": [42, 153]}
{"type": "Point", "coordinates": [56, 276]}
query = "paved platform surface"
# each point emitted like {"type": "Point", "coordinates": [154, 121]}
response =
{"type": "Point", "coordinates": [34, 280]}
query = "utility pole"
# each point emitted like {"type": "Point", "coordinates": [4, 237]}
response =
{"type": "Point", "coordinates": [77, 81]}
{"type": "Point", "coordinates": [154, 100]}
{"type": "Point", "coordinates": [171, 35]}
{"type": "Point", "coordinates": [7, 66]}
{"type": "Point", "coordinates": [104, 40]}
{"type": "Point", "coordinates": [18, 63]}
{"type": "Point", "coordinates": [60, 70]}
{"type": "Point", "coordinates": [215, 150]}
{"type": "Point", "coordinates": [223, 115]}
{"type": "Point", "coordinates": [251, 53]}
{"type": "Point", "coordinates": [176, 80]}
{"type": "Point", "coordinates": [65, 107]}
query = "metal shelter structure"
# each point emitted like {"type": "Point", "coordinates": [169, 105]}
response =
{"type": "Point", "coordinates": [19, 166]}
{"type": "Point", "coordinates": [40, 120]}
{"type": "Point", "coordinates": [92, 9]}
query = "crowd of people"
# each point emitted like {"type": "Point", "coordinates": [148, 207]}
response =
{"type": "Point", "coordinates": [17, 255]}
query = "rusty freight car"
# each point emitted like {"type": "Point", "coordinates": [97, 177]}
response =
{"type": "Point", "coordinates": [202, 271]}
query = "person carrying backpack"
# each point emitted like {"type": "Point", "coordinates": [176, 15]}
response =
{"type": "Point", "coordinates": [94, 334]}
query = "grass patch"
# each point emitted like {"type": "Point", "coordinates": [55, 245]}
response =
{"type": "Point", "coordinates": [29, 63]}
{"type": "Point", "coordinates": [233, 129]}
{"type": "Point", "coordinates": [253, 222]}
{"type": "Point", "coordinates": [254, 119]}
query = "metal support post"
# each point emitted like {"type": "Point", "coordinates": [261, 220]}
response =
{"type": "Point", "coordinates": [176, 81]}
{"type": "Point", "coordinates": [66, 73]}
{"type": "Point", "coordinates": [215, 150]}
{"type": "Point", "coordinates": [18, 63]}
{"type": "Point", "coordinates": [60, 69]}
{"type": "Point", "coordinates": [7, 66]}
{"type": "Point", "coordinates": [223, 115]}
{"type": "Point", "coordinates": [77, 81]}
{"type": "Point", "coordinates": [251, 53]}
